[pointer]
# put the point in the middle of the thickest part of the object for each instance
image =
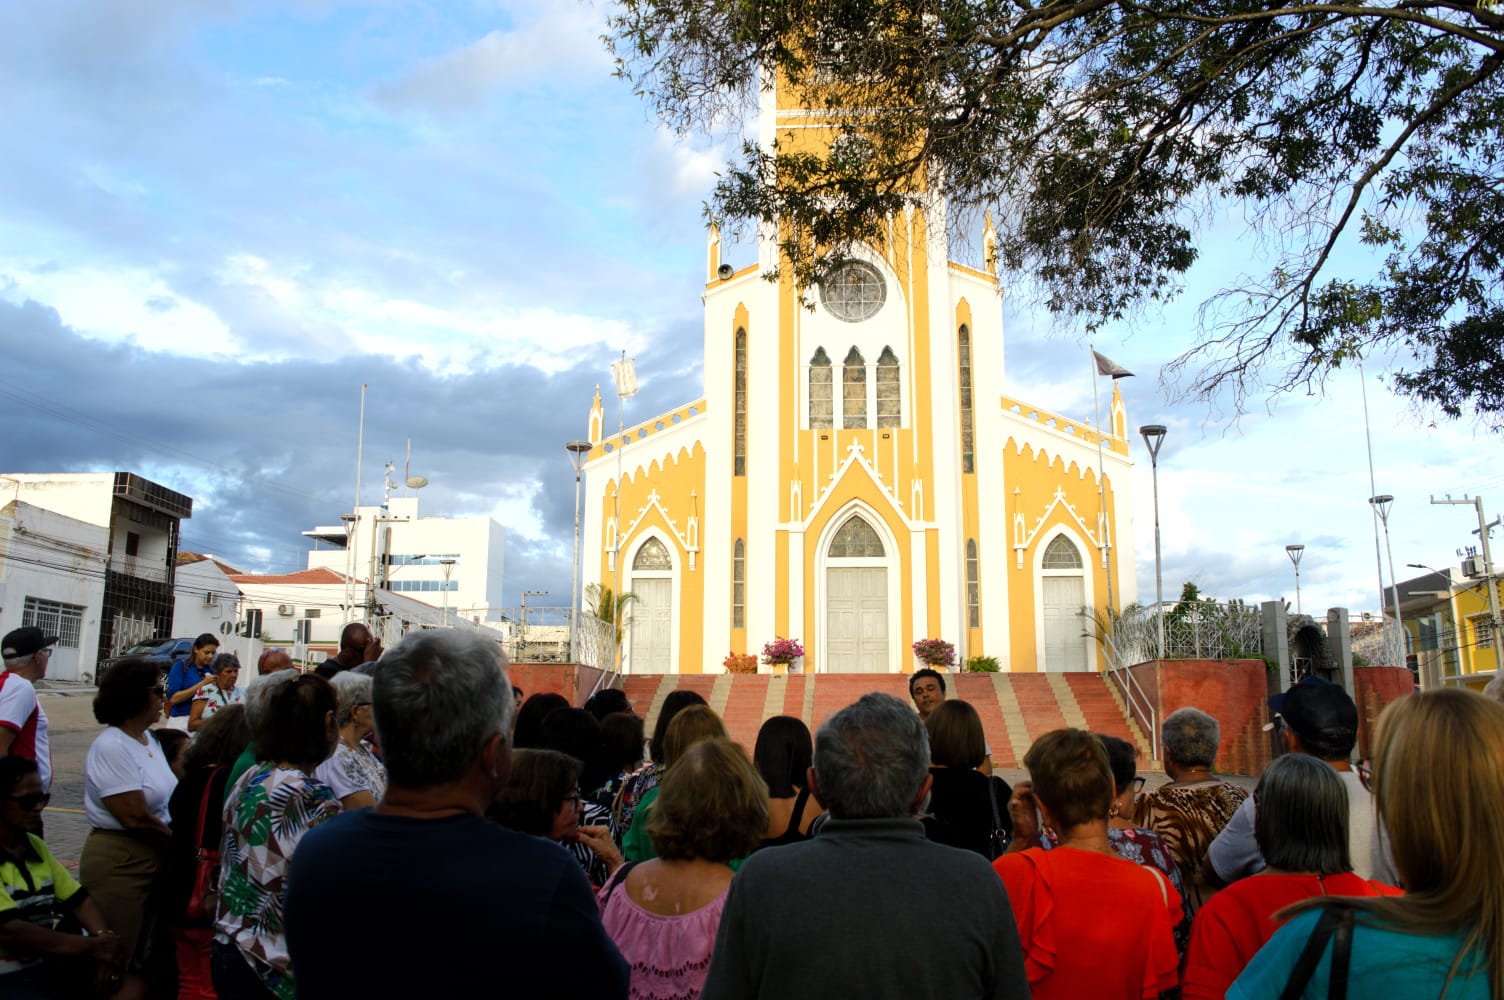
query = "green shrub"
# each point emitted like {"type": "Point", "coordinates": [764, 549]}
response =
{"type": "Point", "coordinates": [982, 665]}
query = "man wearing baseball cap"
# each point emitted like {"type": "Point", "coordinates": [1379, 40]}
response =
{"type": "Point", "coordinates": [1318, 718]}
{"type": "Point", "coordinates": [23, 724]}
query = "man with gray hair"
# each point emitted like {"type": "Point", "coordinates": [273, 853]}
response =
{"type": "Point", "coordinates": [469, 901]}
{"type": "Point", "coordinates": [836, 915]}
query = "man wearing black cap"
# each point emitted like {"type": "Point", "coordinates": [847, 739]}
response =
{"type": "Point", "coordinates": [23, 724]}
{"type": "Point", "coordinates": [1318, 718]}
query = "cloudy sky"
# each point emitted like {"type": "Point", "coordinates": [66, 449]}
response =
{"type": "Point", "coordinates": [217, 220]}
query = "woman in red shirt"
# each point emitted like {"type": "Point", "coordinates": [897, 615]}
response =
{"type": "Point", "coordinates": [1300, 824]}
{"type": "Point", "coordinates": [1061, 898]}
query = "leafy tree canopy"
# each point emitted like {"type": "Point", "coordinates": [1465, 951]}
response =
{"type": "Point", "coordinates": [1105, 132]}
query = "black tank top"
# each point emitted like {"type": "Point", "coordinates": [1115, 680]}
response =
{"type": "Point", "coordinates": [792, 834]}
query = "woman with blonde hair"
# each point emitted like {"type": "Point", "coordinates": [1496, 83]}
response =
{"type": "Point", "coordinates": [1438, 783]}
{"type": "Point", "coordinates": [664, 913]}
{"type": "Point", "coordinates": [690, 726]}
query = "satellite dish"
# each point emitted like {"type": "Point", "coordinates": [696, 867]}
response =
{"type": "Point", "coordinates": [416, 482]}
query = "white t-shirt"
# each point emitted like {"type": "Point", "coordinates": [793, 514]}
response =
{"type": "Point", "coordinates": [18, 705]}
{"type": "Point", "coordinates": [117, 763]}
{"type": "Point", "coordinates": [1235, 853]}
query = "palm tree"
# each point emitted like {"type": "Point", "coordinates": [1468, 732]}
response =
{"type": "Point", "coordinates": [610, 608]}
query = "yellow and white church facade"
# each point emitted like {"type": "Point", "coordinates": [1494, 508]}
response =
{"type": "Point", "coordinates": [857, 475]}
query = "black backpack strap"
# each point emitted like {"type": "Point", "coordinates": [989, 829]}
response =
{"type": "Point", "coordinates": [1332, 916]}
{"type": "Point", "coordinates": [617, 878]}
{"type": "Point", "coordinates": [1342, 954]}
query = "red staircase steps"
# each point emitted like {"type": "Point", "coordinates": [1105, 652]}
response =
{"type": "Point", "coordinates": [978, 691]}
{"type": "Point", "coordinates": [1100, 708]}
{"type": "Point", "coordinates": [1036, 700]}
{"type": "Point", "coordinates": [640, 689]}
{"type": "Point", "coordinates": [744, 708]}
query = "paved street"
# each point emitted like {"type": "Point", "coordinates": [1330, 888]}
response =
{"type": "Point", "coordinates": [71, 728]}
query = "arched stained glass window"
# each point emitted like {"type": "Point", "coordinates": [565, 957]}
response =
{"type": "Point", "coordinates": [821, 400]}
{"type": "Point", "coordinates": [854, 391]}
{"type": "Point", "coordinates": [652, 556]}
{"type": "Point", "coordinates": [739, 432]}
{"type": "Point", "coordinates": [973, 586]}
{"type": "Point", "coordinates": [963, 364]}
{"type": "Point", "coordinates": [739, 585]}
{"type": "Point", "coordinates": [1061, 554]}
{"type": "Point", "coordinates": [888, 409]}
{"type": "Point", "coordinates": [856, 539]}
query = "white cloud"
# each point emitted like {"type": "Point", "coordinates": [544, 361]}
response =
{"type": "Point", "coordinates": [554, 43]}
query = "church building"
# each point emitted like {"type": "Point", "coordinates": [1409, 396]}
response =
{"type": "Point", "coordinates": [858, 476]}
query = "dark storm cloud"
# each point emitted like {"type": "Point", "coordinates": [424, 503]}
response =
{"type": "Point", "coordinates": [268, 449]}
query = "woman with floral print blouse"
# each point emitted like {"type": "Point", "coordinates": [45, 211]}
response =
{"type": "Point", "coordinates": [267, 813]}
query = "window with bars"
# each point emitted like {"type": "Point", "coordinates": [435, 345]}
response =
{"type": "Point", "coordinates": [856, 539]}
{"type": "Point", "coordinates": [66, 621]}
{"type": "Point", "coordinates": [963, 365]}
{"type": "Point", "coordinates": [973, 586]}
{"type": "Point", "coordinates": [652, 556]}
{"type": "Point", "coordinates": [821, 400]}
{"type": "Point", "coordinates": [1483, 631]}
{"type": "Point", "coordinates": [887, 389]}
{"type": "Point", "coordinates": [739, 585]}
{"type": "Point", "coordinates": [854, 391]}
{"type": "Point", "coordinates": [1061, 554]}
{"type": "Point", "coordinates": [739, 432]}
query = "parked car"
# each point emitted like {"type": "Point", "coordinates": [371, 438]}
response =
{"type": "Point", "coordinates": [163, 652]}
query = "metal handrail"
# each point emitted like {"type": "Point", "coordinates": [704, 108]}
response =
{"type": "Point", "coordinates": [1134, 696]}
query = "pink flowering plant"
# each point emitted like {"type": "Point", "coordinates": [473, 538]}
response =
{"type": "Point", "coordinates": [740, 663]}
{"type": "Point", "coordinates": [782, 650]}
{"type": "Point", "coordinates": [935, 652]}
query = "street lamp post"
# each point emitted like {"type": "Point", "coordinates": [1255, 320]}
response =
{"type": "Point", "coordinates": [1154, 436]}
{"type": "Point", "coordinates": [1381, 505]}
{"type": "Point", "coordinates": [448, 565]}
{"type": "Point", "coordinates": [577, 452]}
{"type": "Point", "coordinates": [1294, 552]}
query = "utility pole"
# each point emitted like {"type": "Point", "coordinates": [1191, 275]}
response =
{"type": "Point", "coordinates": [1484, 528]}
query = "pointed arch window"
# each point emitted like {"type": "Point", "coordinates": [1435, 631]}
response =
{"type": "Point", "coordinates": [888, 409]}
{"type": "Point", "coordinates": [963, 365]}
{"type": "Point", "coordinates": [652, 556]}
{"type": "Point", "coordinates": [1061, 554]}
{"type": "Point", "coordinates": [856, 539]}
{"type": "Point", "coordinates": [739, 431]}
{"type": "Point", "coordinates": [973, 586]}
{"type": "Point", "coordinates": [739, 584]}
{"type": "Point", "coordinates": [821, 400]}
{"type": "Point", "coordinates": [854, 391]}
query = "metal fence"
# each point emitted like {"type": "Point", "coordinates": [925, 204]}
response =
{"type": "Point", "coordinates": [543, 634]}
{"type": "Point", "coordinates": [1201, 630]}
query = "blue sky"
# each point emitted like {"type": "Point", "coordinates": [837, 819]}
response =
{"type": "Point", "coordinates": [218, 219]}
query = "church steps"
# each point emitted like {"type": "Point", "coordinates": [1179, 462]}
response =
{"type": "Point", "coordinates": [1015, 708]}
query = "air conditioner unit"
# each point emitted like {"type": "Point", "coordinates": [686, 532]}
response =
{"type": "Point", "coordinates": [287, 610]}
{"type": "Point", "coordinates": [1472, 567]}
{"type": "Point", "coordinates": [211, 599]}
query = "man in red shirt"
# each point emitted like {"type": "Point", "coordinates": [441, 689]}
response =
{"type": "Point", "coordinates": [23, 724]}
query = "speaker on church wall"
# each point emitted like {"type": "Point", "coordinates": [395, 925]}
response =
{"type": "Point", "coordinates": [725, 271]}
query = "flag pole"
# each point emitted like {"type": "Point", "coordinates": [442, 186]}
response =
{"type": "Point", "coordinates": [1096, 411]}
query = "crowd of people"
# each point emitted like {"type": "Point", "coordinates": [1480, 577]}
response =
{"type": "Point", "coordinates": [409, 824]}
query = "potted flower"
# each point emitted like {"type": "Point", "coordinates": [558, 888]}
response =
{"type": "Point", "coordinates": [740, 663]}
{"type": "Point", "coordinates": [935, 653]}
{"type": "Point", "coordinates": [779, 653]}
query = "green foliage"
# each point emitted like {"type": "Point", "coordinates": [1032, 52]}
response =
{"type": "Point", "coordinates": [610, 608]}
{"type": "Point", "coordinates": [982, 665]}
{"type": "Point", "coordinates": [1105, 134]}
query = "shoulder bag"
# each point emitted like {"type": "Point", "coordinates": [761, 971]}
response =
{"type": "Point", "coordinates": [997, 839]}
{"type": "Point", "coordinates": [204, 898]}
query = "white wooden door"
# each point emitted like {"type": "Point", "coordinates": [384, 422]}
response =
{"type": "Point", "coordinates": [857, 616]}
{"type": "Point", "coordinates": [1064, 645]}
{"type": "Point", "coordinates": [652, 626]}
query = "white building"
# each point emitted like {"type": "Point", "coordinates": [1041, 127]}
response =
{"type": "Point", "coordinates": [89, 557]}
{"type": "Point", "coordinates": [428, 558]}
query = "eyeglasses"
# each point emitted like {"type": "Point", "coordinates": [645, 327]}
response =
{"type": "Point", "coordinates": [575, 801]}
{"type": "Point", "coordinates": [1138, 784]}
{"type": "Point", "coordinates": [31, 800]}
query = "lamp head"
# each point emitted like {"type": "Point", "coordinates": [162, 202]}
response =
{"type": "Point", "coordinates": [1154, 436]}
